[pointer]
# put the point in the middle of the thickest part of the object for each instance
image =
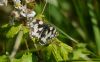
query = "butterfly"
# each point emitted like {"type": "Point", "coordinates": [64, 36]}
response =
{"type": "Point", "coordinates": [43, 31]}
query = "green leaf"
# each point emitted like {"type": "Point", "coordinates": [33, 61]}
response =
{"type": "Point", "coordinates": [4, 58]}
{"type": "Point", "coordinates": [59, 50]}
{"type": "Point", "coordinates": [81, 52]}
{"type": "Point", "coordinates": [5, 25]}
{"type": "Point", "coordinates": [16, 60]}
{"type": "Point", "coordinates": [56, 53]}
{"type": "Point", "coordinates": [49, 52]}
{"type": "Point", "coordinates": [66, 47]}
{"type": "Point", "coordinates": [63, 53]}
{"type": "Point", "coordinates": [27, 57]}
{"type": "Point", "coordinates": [25, 29]}
{"type": "Point", "coordinates": [13, 31]}
{"type": "Point", "coordinates": [64, 50]}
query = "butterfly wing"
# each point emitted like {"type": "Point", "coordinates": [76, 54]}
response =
{"type": "Point", "coordinates": [44, 32]}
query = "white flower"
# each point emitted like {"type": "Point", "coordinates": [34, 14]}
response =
{"type": "Point", "coordinates": [3, 2]}
{"type": "Point", "coordinates": [32, 14]}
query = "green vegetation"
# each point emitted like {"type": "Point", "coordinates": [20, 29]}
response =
{"type": "Point", "coordinates": [78, 24]}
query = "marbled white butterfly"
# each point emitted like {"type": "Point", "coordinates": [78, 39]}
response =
{"type": "Point", "coordinates": [44, 32]}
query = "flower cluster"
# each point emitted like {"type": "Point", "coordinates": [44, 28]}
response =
{"type": "Point", "coordinates": [22, 12]}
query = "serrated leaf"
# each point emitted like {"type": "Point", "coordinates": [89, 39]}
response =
{"type": "Point", "coordinates": [64, 53]}
{"type": "Point", "coordinates": [59, 50]}
{"type": "Point", "coordinates": [13, 31]}
{"type": "Point", "coordinates": [64, 50]}
{"type": "Point", "coordinates": [49, 51]}
{"type": "Point", "coordinates": [81, 52]}
{"type": "Point", "coordinates": [56, 53]}
{"type": "Point", "coordinates": [76, 54]}
{"type": "Point", "coordinates": [67, 47]}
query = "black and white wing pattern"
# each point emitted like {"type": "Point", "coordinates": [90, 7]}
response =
{"type": "Point", "coordinates": [44, 32]}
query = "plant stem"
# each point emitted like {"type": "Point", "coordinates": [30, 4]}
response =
{"type": "Point", "coordinates": [69, 37]}
{"type": "Point", "coordinates": [44, 7]}
{"type": "Point", "coordinates": [17, 44]}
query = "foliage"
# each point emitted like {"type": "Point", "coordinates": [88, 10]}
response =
{"type": "Point", "coordinates": [77, 22]}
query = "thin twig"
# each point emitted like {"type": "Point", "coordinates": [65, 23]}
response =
{"type": "Point", "coordinates": [44, 7]}
{"type": "Point", "coordinates": [17, 44]}
{"type": "Point", "coordinates": [26, 45]}
{"type": "Point", "coordinates": [34, 43]}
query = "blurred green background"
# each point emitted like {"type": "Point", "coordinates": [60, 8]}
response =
{"type": "Point", "coordinates": [79, 19]}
